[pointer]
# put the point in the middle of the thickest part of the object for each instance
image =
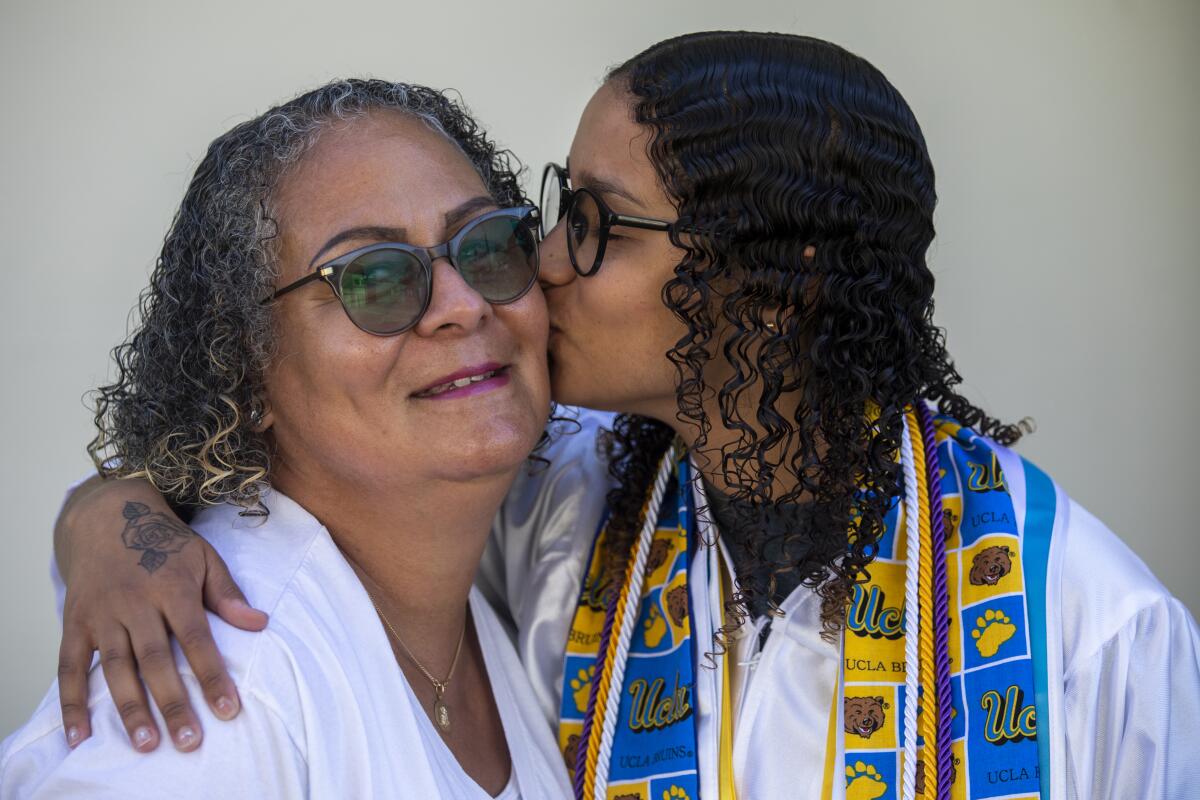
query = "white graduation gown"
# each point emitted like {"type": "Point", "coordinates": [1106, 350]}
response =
{"type": "Point", "coordinates": [327, 712]}
{"type": "Point", "coordinates": [1125, 654]}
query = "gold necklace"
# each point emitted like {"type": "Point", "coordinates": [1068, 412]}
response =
{"type": "Point", "coordinates": [441, 714]}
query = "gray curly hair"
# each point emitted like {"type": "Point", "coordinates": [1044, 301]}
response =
{"type": "Point", "coordinates": [181, 410]}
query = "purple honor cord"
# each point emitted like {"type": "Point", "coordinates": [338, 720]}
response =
{"type": "Point", "coordinates": [941, 602]}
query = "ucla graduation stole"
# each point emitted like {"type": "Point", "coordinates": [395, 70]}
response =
{"type": "Point", "coordinates": [627, 715]}
{"type": "Point", "coordinates": [627, 726]}
{"type": "Point", "coordinates": [974, 728]}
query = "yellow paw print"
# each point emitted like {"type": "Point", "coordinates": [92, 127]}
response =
{"type": "Point", "coordinates": [582, 684]}
{"type": "Point", "coordinates": [993, 629]}
{"type": "Point", "coordinates": [655, 627]}
{"type": "Point", "coordinates": [863, 782]}
{"type": "Point", "coordinates": [675, 793]}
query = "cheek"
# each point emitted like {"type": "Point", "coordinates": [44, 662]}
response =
{"type": "Point", "coordinates": [622, 323]}
{"type": "Point", "coordinates": [322, 368]}
{"type": "Point", "coordinates": [619, 331]}
{"type": "Point", "coordinates": [529, 319]}
{"type": "Point", "coordinates": [626, 295]}
{"type": "Point", "coordinates": [530, 325]}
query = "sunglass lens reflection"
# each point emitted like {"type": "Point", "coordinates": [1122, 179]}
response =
{"type": "Point", "coordinates": [498, 258]}
{"type": "Point", "coordinates": [384, 291]}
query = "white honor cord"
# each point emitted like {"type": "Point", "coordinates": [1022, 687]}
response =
{"type": "Point", "coordinates": [912, 614]}
{"type": "Point", "coordinates": [628, 618]}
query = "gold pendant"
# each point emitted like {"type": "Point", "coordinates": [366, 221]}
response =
{"type": "Point", "coordinates": [441, 715]}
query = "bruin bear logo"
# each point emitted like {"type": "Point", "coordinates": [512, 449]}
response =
{"type": "Point", "coordinates": [949, 523]}
{"type": "Point", "coordinates": [920, 787]}
{"type": "Point", "coordinates": [570, 752]}
{"type": "Point", "coordinates": [659, 550]}
{"type": "Point", "coordinates": [990, 565]}
{"type": "Point", "coordinates": [864, 715]}
{"type": "Point", "coordinates": [677, 604]}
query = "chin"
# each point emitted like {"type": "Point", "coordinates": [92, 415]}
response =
{"type": "Point", "coordinates": [490, 447]}
{"type": "Point", "coordinates": [587, 392]}
{"type": "Point", "coordinates": [648, 393]}
{"type": "Point", "coordinates": [573, 390]}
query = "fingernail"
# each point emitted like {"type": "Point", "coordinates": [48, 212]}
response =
{"type": "Point", "coordinates": [143, 737]}
{"type": "Point", "coordinates": [185, 737]}
{"type": "Point", "coordinates": [226, 708]}
{"type": "Point", "coordinates": [74, 736]}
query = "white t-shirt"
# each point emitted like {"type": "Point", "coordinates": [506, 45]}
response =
{"type": "Point", "coordinates": [1125, 660]}
{"type": "Point", "coordinates": [327, 712]}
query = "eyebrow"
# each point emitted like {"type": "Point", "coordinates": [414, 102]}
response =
{"type": "Point", "coordinates": [388, 233]}
{"type": "Point", "coordinates": [609, 187]}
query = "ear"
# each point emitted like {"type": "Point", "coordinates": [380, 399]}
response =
{"type": "Point", "coordinates": [771, 318]}
{"type": "Point", "coordinates": [261, 416]}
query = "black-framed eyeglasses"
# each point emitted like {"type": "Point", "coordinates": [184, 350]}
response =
{"type": "Point", "coordinates": [589, 219]}
{"type": "Point", "coordinates": [385, 288]}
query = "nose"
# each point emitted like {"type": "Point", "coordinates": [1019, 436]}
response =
{"type": "Point", "coordinates": [453, 304]}
{"type": "Point", "coordinates": [556, 269]}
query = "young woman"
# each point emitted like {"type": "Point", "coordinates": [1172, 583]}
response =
{"type": "Point", "coordinates": [350, 408]}
{"type": "Point", "coordinates": [786, 577]}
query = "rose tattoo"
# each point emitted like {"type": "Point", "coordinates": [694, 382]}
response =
{"type": "Point", "coordinates": [154, 533]}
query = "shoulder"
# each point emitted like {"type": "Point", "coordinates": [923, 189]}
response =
{"type": "Point", "coordinates": [1130, 669]}
{"type": "Point", "coordinates": [1105, 589]}
{"type": "Point", "coordinates": [574, 451]}
{"type": "Point", "coordinates": [569, 483]}
{"type": "Point", "coordinates": [280, 561]}
{"type": "Point", "coordinates": [288, 566]}
{"type": "Point", "coordinates": [263, 553]}
{"type": "Point", "coordinates": [255, 752]}
{"type": "Point", "coordinates": [1096, 586]}
{"type": "Point", "coordinates": [574, 439]}
{"type": "Point", "coordinates": [540, 536]}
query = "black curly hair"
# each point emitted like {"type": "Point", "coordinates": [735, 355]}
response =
{"type": "Point", "coordinates": [190, 377]}
{"type": "Point", "coordinates": [805, 183]}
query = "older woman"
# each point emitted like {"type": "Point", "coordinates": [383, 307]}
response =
{"type": "Point", "coordinates": [341, 359]}
{"type": "Point", "coordinates": [739, 268]}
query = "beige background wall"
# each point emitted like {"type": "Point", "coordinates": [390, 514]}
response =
{"type": "Point", "coordinates": [1064, 134]}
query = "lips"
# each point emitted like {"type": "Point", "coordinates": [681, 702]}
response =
{"type": "Point", "coordinates": [462, 378]}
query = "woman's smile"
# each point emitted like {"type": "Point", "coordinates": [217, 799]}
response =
{"type": "Point", "coordinates": [467, 382]}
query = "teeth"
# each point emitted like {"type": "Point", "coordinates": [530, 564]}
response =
{"type": "Point", "coordinates": [460, 383]}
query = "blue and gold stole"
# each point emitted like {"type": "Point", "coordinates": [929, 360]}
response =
{"type": "Point", "coordinates": [974, 673]}
{"type": "Point", "coordinates": [649, 746]}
